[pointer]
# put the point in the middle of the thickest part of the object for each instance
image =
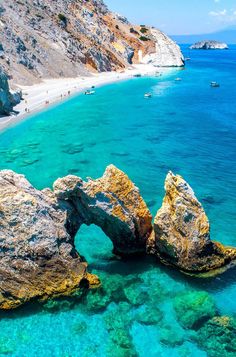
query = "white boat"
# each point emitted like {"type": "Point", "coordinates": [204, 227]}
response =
{"type": "Point", "coordinates": [89, 92]}
{"type": "Point", "coordinates": [214, 84]}
{"type": "Point", "coordinates": [187, 59]}
{"type": "Point", "coordinates": [147, 95]}
{"type": "Point", "coordinates": [178, 79]}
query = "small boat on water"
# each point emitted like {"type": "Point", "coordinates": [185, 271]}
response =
{"type": "Point", "coordinates": [214, 84]}
{"type": "Point", "coordinates": [147, 95]}
{"type": "Point", "coordinates": [178, 79]}
{"type": "Point", "coordinates": [89, 92]}
{"type": "Point", "coordinates": [187, 59]}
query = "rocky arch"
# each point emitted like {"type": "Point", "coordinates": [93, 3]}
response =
{"type": "Point", "coordinates": [38, 259]}
{"type": "Point", "coordinates": [111, 202]}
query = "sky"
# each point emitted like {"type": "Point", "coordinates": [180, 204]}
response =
{"type": "Point", "coordinates": [179, 17]}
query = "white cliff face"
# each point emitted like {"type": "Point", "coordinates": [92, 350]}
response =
{"type": "Point", "coordinates": [168, 53]}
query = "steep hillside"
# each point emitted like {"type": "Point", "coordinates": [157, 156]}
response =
{"type": "Point", "coordinates": [65, 38]}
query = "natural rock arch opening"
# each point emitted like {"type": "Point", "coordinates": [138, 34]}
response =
{"type": "Point", "coordinates": [93, 244]}
{"type": "Point", "coordinates": [112, 203]}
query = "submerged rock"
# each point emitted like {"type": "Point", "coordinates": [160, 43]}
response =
{"type": "Point", "coordinates": [193, 308]}
{"type": "Point", "coordinates": [135, 294]}
{"type": "Point", "coordinates": [182, 232]}
{"type": "Point", "coordinates": [37, 255]}
{"type": "Point", "coordinates": [149, 315]}
{"type": "Point", "coordinates": [118, 322]}
{"type": "Point", "coordinates": [113, 203]}
{"type": "Point", "coordinates": [218, 337]}
{"type": "Point", "coordinates": [171, 337]}
{"type": "Point", "coordinates": [7, 346]}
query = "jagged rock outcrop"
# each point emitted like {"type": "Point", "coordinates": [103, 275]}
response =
{"type": "Point", "coordinates": [7, 99]}
{"type": "Point", "coordinates": [67, 38]}
{"type": "Point", "coordinates": [209, 45]}
{"type": "Point", "coordinates": [113, 203]}
{"type": "Point", "coordinates": [37, 255]}
{"type": "Point", "coordinates": [38, 258]}
{"type": "Point", "coordinates": [182, 232]}
{"type": "Point", "coordinates": [167, 54]}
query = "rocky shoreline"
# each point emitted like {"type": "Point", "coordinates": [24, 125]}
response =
{"type": "Point", "coordinates": [37, 252]}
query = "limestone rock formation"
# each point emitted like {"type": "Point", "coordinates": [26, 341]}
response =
{"type": "Point", "coordinates": [67, 38]}
{"type": "Point", "coordinates": [7, 99]}
{"type": "Point", "coordinates": [167, 54]}
{"type": "Point", "coordinates": [209, 45]}
{"type": "Point", "coordinates": [38, 258]}
{"type": "Point", "coordinates": [37, 255]}
{"type": "Point", "coordinates": [182, 232]}
{"type": "Point", "coordinates": [113, 203]}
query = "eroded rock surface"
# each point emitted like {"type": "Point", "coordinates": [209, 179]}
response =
{"type": "Point", "coordinates": [38, 259]}
{"type": "Point", "coordinates": [7, 99]}
{"type": "Point", "coordinates": [67, 38]}
{"type": "Point", "coordinates": [113, 203]}
{"type": "Point", "coordinates": [182, 232]}
{"type": "Point", "coordinates": [37, 256]}
{"type": "Point", "coordinates": [167, 53]}
{"type": "Point", "coordinates": [209, 45]}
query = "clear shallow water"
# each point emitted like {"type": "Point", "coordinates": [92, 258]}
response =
{"type": "Point", "coordinates": [187, 127]}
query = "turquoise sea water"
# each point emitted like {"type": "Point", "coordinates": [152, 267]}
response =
{"type": "Point", "coordinates": [187, 127]}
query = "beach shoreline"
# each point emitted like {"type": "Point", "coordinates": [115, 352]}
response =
{"type": "Point", "coordinates": [52, 91]}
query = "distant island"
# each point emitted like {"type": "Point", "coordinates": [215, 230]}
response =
{"type": "Point", "coordinates": [209, 45]}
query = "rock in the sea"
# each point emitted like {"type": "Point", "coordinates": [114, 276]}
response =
{"type": "Point", "coordinates": [209, 45]}
{"type": "Point", "coordinates": [218, 337]}
{"type": "Point", "coordinates": [182, 232]}
{"type": "Point", "coordinates": [113, 203]}
{"type": "Point", "coordinates": [149, 315]}
{"type": "Point", "coordinates": [37, 255]}
{"type": "Point", "coordinates": [171, 337]}
{"type": "Point", "coordinates": [38, 259]}
{"type": "Point", "coordinates": [7, 99]}
{"type": "Point", "coordinates": [193, 308]}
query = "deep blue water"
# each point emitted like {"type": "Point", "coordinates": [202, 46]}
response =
{"type": "Point", "coordinates": [187, 127]}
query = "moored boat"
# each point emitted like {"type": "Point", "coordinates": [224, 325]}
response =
{"type": "Point", "coordinates": [215, 85]}
{"type": "Point", "coordinates": [89, 92]}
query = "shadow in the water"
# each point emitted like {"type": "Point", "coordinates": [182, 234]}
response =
{"type": "Point", "coordinates": [210, 284]}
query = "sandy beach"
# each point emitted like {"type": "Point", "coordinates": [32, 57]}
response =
{"type": "Point", "coordinates": [51, 91]}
